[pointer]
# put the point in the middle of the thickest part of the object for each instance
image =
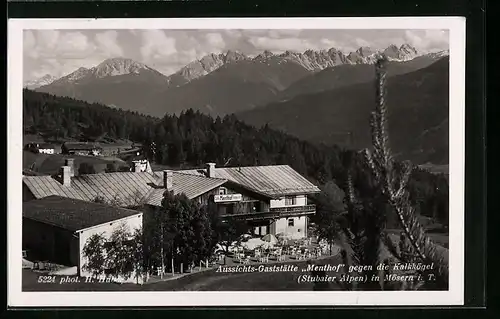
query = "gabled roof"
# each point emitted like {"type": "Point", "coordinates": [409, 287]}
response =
{"type": "Point", "coordinates": [190, 185]}
{"type": "Point", "coordinates": [123, 188]}
{"type": "Point", "coordinates": [271, 180]}
{"type": "Point", "coordinates": [73, 214]}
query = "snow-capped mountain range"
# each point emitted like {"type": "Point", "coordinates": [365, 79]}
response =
{"type": "Point", "coordinates": [311, 60]}
{"type": "Point", "coordinates": [44, 80]}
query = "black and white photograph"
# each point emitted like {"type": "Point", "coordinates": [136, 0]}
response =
{"type": "Point", "coordinates": [243, 157]}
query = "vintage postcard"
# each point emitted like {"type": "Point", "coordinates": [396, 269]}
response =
{"type": "Point", "coordinates": [236, 162]}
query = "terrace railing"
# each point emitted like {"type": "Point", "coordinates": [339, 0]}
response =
{"type": "Point", "coordinates": [275, 212]}
{"type": "Point", "coordinates": [294, 209]}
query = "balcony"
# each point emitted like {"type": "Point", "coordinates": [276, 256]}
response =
{"type": "Point", "coordinates": [276, 212]}
{"type": "Point", "coordinates": [294, 209]}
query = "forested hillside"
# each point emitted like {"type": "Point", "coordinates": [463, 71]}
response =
{"type": "Point", "coordinates": [58, 118]}
{"type": "Point", "coordinates": [418, 104]}
{"type": "Point", "coordinates": [192, 138]}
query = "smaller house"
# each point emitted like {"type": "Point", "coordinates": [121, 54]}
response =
{"type": "Point", "coordinates": [81, 148]}
{"type": "Point", "coordinates": [42, 148]}
{"type": "Point", "coordinates": [56, 229]}
{"type": "Point", "coordinates": [140, 165]}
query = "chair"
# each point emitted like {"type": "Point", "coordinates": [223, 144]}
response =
{"type": "Point", "coordinates": [241, 257]}
{"type": "Point", "coordinates": [159, 271]}
{"type": "Point", "coordinates": [257, 253]}
{"type": "Point", "coordinates": [281, 257]}
{"type": "Point", "coordinates": [264, 258]}
{"type": "Point", "coordinates": [220, 257]}
{"type": "Point", "coordinates": [277, 253]}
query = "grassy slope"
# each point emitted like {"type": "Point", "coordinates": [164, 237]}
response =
{"type": "Point", "coordinates": [50, 164]}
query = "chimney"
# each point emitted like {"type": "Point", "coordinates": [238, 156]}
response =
{"type": "Point", "coordinates": [168, 179]}
{"type": "Point", "coordinates": [210, 170]}
{"type": "Point", "coordinates": [71, 163]}
{"type": "Point", "coordinates": [66, 175]}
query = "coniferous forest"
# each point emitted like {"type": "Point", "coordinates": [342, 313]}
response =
{"type": "Point", "coordinates": [192, 138]}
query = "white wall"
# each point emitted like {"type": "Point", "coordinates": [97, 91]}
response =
{"type": "Point", "coordinates": [298, 230]}
{"type": "Point", "coordinates": [300, 200]}
{"type": "Point", "coordinates": [260, 230]}
{"type": "Point", "coordinates": [132, 222]}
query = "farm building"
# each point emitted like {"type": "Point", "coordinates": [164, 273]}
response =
{"type": "Point", "coordinates": [42, 148]}
{"type": "Point", "coordinates": [81, 149]}
{"type": "Point", "coordinates": [56, 228]}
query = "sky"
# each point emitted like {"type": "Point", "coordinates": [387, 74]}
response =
{"type": "Point", "coordinates": [60, 52]}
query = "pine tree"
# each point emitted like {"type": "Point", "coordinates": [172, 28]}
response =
{"type": "Point", "coordinates": [394, 186]}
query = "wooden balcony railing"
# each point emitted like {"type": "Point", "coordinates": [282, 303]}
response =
{"type": "Point", "coordinates": [294, 209]}
{"type": "Point", "coordinates": [275, 212]}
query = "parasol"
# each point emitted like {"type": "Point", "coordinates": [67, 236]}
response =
{"type": "Point", "coordinates": [270, 238]}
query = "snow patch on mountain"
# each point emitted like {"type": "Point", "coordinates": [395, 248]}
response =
{"type": "Point", "coordinates": [44, 80]}
{"type": "Point", "coordinates": [77, 75]}
{"type": "Point", "coordinates": [118, 66]}
{"type": "Point", "coordinates": [107, 68]}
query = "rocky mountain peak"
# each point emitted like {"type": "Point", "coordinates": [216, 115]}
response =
{"type": "Point", "coordinates": [264, 55]}
{"type": "Point", "coordinates": [407, 52]}
{"type": "Point", "coordinates": [118, 66]}
{"type": "Point", "coordinates": [234, 56]}
{"type": "Point", "coordinates": [392, 52]}
{"type": "Point", "coordinates": [267, 53]}
{"type": "Point", "coordinates": [77, 75]}
{"type": "Point", "coordinates": [365, 51]}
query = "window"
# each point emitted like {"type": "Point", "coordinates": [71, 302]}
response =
{"type": "Point", "coordinates": [222, 191]}
{"type": "Point", "coordinates": [290, 222]}
{"type": "Point", "coordinates": [257, 206]}
{"type": "Point", "coordinates": [290, 200]}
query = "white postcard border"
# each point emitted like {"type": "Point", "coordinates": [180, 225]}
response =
{"type": "Point", "coordinates": [455, 294]}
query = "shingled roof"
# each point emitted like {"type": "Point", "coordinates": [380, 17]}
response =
{"type": "Point", "coordinates": [271, 180]}
{"type": "Point", "coordinates": [123, 188]}
{"type": "Point", "coordinates": [188, 184]}
{"type": "Point", "coordinates": [73, 214]}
